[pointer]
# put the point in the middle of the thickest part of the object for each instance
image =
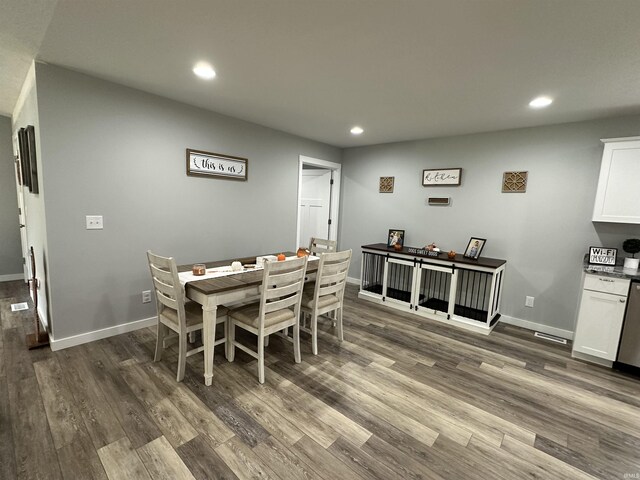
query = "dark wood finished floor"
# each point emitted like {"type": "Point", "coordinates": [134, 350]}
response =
{"type": "Point", "coordinates": [400, 398]}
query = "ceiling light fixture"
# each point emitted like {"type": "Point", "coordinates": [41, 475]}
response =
{"type": "Point", "coordinates": [357, 131]}
{"type": "Point", "coordinates": [204, 70]}
{"type": "Point", "coordinates": [540, 102]}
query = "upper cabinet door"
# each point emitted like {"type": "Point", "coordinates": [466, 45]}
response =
{"type": "Point", "coordinates": [618, 195]}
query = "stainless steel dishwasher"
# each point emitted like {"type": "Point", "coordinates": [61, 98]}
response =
{"type": "Point", "coordinates": [629, 351]}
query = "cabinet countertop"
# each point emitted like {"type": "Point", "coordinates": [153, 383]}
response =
{"type": "Point", "coordinates": [616, 271]}
{"type": "Point", "coordinates": [481, 262]}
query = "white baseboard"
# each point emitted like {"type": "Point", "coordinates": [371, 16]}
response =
{"type": "Point", "coordinates": [59, 344]}
{"type": "Point", "coordinates": [354, 281]}
{"type": "Point", "coordinates": [11, 277]}
{"type": "Point", "coordinates": [537, 327]}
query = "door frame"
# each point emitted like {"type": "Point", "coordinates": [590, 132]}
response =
{"type": "Point", "coordinates": [22, 210]}
{"type": "Point", "coordinates": [334, 209]}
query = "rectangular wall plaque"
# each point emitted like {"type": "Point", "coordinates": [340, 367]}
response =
{"type": "Point", "coordinates": [439, 201]}
{"type": "Point", "coordinates": [441, 176]}
{"type": "Point", "coordinates": [208, 164]}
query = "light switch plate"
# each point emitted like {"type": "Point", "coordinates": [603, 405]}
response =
{"type": "Point", "coordinates": [94, 222]}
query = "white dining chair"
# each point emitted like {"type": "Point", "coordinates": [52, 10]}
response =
{"type": "Point", "coordinates": [174, 313]}
{"type": "Point", "coordinates": [326, 294]}
{"type": "Point", "coordinates": [278, 309]}
{"type": "Point", "coordinates": [320, 245]}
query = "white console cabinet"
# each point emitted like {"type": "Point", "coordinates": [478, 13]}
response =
{"type": "Point", "coordinates": [600, 317]}
{"type": "Point", "coordinates": [457, 291]}
{"type": "Point", "coordinates": [617, 198]}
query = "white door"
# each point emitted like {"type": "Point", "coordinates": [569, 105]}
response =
{"type": "Point", "coordinates": [318, 200]}
{"type": "Point", "coordinates": [314, 204]}
{"type": "Point", "coordinates": [22, 213]}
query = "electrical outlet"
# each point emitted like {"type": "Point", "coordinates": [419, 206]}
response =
{"type": "Point", "coordinates": [529, 302]}
{"type": "Point", "coordinates": [146, 296]}
{"type": "Point", "coordinates": [94, 222]}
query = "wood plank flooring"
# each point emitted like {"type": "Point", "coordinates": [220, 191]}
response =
{"type": "Point", "coordinates": [402, 397]}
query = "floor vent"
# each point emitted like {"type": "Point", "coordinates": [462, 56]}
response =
{"type": "Point", "coordinates": [16, 307]}
{"type": "Point", "coordinates": [551, 338]}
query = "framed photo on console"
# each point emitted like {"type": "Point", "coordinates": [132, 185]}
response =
{"type": "Point", "coordinates": [396, 237]}
{"type": "Point", "coordinates": [474, 248]}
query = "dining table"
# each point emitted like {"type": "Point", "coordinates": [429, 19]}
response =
{"type": "Point", "coordinates": [237, 287]}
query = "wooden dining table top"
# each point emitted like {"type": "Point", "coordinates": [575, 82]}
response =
{"type": "Point", "coordinates": [249, 278]}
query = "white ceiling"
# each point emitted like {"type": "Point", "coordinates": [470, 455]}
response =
{"type": "Point", "coordinates": [402, 69]}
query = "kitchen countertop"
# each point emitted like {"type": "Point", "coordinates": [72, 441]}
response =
{"type": "Point", "coordinates": [610, 271]}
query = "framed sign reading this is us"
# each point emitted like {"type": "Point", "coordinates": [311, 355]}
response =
{"type": "Point", "coordinates": [208, 164]}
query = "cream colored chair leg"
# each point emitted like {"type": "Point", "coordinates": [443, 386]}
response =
{"type": "Point", "coordinates": [339, 320]}
{"type": "Point", "coordinates": [159, 341]}
{"type": "Point", "coordinates": [226, 339]}
{"type": "Point", "coordinates": [266, 341]}
{"type": "Point", "coordinates": [182, 357]}
{"type": "Point", "coordinates": [261, 359]}
{"type": "Point", "coordinates": [232, 341]}
{"type": "Point", "coordinates": [314, 334]}
{"type": "Point", "coordinates": [296, 343]}
{"type": "Point", "coordinates": [192, 337]}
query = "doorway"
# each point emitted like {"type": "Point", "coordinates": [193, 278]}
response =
{"type": "Point", "coordinates": [318, 199]}
{"type": "Point", "coordinates": [22, 213]}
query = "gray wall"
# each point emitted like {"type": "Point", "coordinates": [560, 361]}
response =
{"type": "Point", "coordinates": [543, 233]}
{"type": "Point", "coordinates": [114, 151]}
{"type": "Point", "coordinates": [10, 251]}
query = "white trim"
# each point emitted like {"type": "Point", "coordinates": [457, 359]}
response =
{"type": "Point", "coordinates": [354, 281]}
{"type": "Point", "coordinates": [539, 327]}
{"type": "Point", "coordinates": [335, 195]}
{"type": "Point", "coordinates": [103, 333]}
{"type": "Point", "coordinates": [590, 358]}
{"type": "Point", "coordinates": [11, 277]}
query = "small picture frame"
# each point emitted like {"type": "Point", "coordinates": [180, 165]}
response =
{"type": "Point", "coordinates": [396, 237]}
{"type": "Point", "coordinates": [474, 248]}
{"type": "Point", "coordinates": [602, 256]}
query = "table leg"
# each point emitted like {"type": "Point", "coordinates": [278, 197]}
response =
{"type": "Point", "coordinates": [208, 339]}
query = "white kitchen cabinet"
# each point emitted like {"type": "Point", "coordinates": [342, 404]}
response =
{"type": "Point", "coordinates": [617, 198]}
{"type": "Point", "coordinates": [600, 316]}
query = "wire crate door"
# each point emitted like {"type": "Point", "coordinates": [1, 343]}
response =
{"type": "Point", "coordinates": [433, 289]}
{"type": "Point", "coordinates": [398, 281]}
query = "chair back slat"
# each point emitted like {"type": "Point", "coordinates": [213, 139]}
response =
{"type": "Point", "coordinates": [318, 246]}
{"type": "Point", "coordinates": [169, 292]}
{"type": "Point", "coordinates": [282, 287]}
{"type": "Point", "coordinates": [332, 275]}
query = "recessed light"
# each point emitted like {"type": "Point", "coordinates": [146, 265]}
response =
{"type": "Point", "coordinates": [540, 102]}
{"type": "Point", "coordinates": [356, 130]}
{"type": "Point", "coordinates": [204, 70]}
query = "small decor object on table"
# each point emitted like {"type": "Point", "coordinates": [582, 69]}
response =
{"type": "Point", "coordinates": [602, 256]}
{"type": "Point", "coordinates": [514, 182]}
{"type": "Point", "coordinates": [395, 237]}
{"type": "Point", "coordinates": [432, 250]}
{"type": "Point", "coordinates": [236, 266]}
{"type": "Point", "coordinates": [281, 257]}
{"type": "Point", "coordinates": [441, 177]}
{"type": "Point", "coordinates": [199, 269]}
{"type": "Point", "coordinates": [474, 248]}
{"type": "Point", "coordinates": [386, 184]}
{"type": "Point", "coordinates": [451, 254]}
{"type": "Point", "coordinates": [632, 246]}
{"type": "Point", "coordinates": [302, 252]}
